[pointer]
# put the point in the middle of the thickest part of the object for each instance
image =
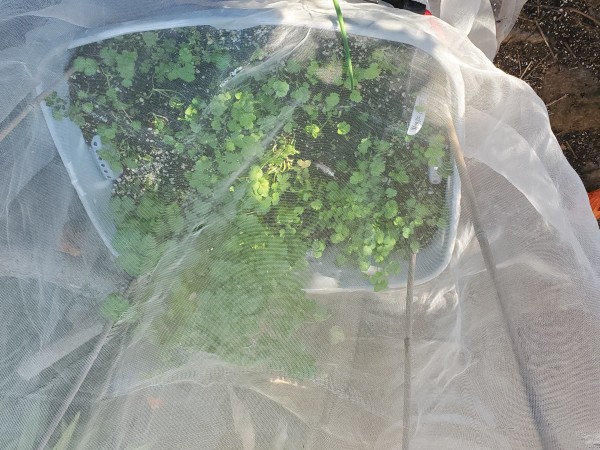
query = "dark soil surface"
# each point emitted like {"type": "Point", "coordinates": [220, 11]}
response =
{"type": "Point", "coordinates": [555, 47]}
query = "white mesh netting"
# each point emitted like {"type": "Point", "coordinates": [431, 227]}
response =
{"type": "Point", "coordinates": [207, 230]}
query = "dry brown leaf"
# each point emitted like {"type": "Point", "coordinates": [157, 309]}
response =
{"type": "Point", "coordinates": [69, 243]}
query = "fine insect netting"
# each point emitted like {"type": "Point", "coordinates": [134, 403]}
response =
{"type": "Point", "coordinates": [282, 145]}
{"type": "Point", "coordinates": [217, 235]}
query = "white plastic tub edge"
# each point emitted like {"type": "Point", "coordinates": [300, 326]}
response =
{"type": "Point", "coordinates": [94, 189]}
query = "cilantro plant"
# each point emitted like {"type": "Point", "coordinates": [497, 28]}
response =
{"type": "Point", "coordinates": [259, 167]}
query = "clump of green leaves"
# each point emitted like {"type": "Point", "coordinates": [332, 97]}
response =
{"type": "Point", "coordinates": [114, 307]}
{"type": "Point", "coordinates": [239, 295]}
{"type": "Point", "coordinates": [258, 177]}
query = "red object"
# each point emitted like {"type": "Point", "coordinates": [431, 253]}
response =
{"type": "Point", "coordinates": [595, 202]}
{"type": "Point", "coordinates": [427, 13]}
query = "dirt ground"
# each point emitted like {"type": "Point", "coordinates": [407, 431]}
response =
{"type": "Point", "coordinates": [555, 47]}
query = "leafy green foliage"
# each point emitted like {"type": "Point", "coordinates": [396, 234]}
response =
{"type": "Point", "coordinates": [281, 88]}
{"type": "Point", "coordinates": [369, 73]}
{"type": "Point", "coordinates": [302, 94]}
{"type": "Point", "coordinates": [125, 65]}
{"type": "Point", "coordinates": [239, 298]}
{"type": "Point", "coordinates": [313, 129]}
{"type": "Point", "coordinates": [343, 128]}
{"type": "Point", "coordinates": [114, 306]}
{"type": "Point", "coordinates": [332, 100]}
{"type": "Point", "coordinates": [58, 105]}
{"type": "Point", "coordinates": [435, 151]}
{"type": "Point", "coordinates": [356, 96]}
{"type": "Point", "coordinates": [230, 184]}
{"type": "Point", "coordinates": [87, 66]}
{"type": "Point", "coordinates": [183, 68]}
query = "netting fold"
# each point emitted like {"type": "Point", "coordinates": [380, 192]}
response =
{"type": "Point", "coordinates": [208, 219]}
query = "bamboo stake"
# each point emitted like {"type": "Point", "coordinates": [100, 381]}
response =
{"type": "Point", "coordinates": [31, 106]}
{"type": "Point", "coordinates": [546, 433]}
{"type": "Point", "coordinates": [407, 352]}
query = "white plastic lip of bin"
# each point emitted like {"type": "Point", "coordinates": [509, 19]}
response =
{"type": "Point", "coordinates": [92, 185]}
{"type": "Point", "coordinates": [94, 189]}
{"type": "Point", "coordinates": [431, 259]}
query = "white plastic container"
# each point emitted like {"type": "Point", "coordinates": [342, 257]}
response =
{"type": "Point", "coordinates": [94, 184]}
{"type": "Point", "coordinates": [91, 177]}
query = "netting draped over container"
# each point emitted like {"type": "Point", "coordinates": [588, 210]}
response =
{"type": "Point", "coordinates": [207, 230]}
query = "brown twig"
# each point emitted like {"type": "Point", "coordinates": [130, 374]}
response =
{"type": "Point", "coordinates": [545, 40]}
{"type": "Point", "coordinates": [587, 16]}
{"type": "Point", "coordinates": [511, 36]}
{"type": "Point", "coordinates": [526, 69]}
{"type": "Point", "coordinates": [534, 67]}
{"type": "Point", "coordinates": [526, 19]}
{"type": "Point", "coordinates": [30, 107]}
{"type": "Point", "coordinates": [573, 10]}
{"type": "Point", "coordinates": [548, 105]}
{"type": "Point", "coordinates": [571, 149]}
{"type": "Point", "coordinates": [568, 47]}
{"type": "Point", "coordinates": [547, 434]}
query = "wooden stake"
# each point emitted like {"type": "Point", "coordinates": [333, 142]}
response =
{"type": "Point", "coordinates": [407, 352]}
{"type": "Point", "coordinates": [545, 40]}
{"type": "Point", "coordinates": [30, 107]}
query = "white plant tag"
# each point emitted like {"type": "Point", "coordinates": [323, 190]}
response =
{"type": "Point", "coordinates": [434, 176]}
{"type": "Point", "coordinates": [418, 115]}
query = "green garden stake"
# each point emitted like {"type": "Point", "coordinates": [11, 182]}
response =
{"type": "Point", "coordinates": [340, 19]}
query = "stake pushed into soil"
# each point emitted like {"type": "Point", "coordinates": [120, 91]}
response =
{"type": "Point", "coordinates": [342, 25]}
{"type": "Point", "coordinates": [407, 352]}
{"type": "Point", "coordinates": [545, 430]}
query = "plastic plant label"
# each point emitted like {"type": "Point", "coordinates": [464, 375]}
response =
{"type": "Point", "coordinates": [434, 176]}
{"type": "Point", "coordinates": [418, 115]}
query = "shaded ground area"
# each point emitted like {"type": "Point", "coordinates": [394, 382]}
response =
{"type": "Point", "coordinates": [555, 47]}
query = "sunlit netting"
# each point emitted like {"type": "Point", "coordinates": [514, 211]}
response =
{"type": "Point", "coordinates": [219, 233]}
